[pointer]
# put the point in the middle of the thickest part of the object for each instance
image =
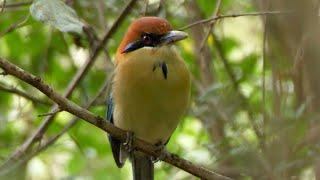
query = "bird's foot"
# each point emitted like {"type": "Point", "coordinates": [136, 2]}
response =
{"type": "Point", "coordinates": [128, 144]}
{"type": "Point", "coordinates": [161, 150]}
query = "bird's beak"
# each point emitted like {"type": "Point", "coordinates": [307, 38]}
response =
{"type": "Point", "coordinates": [173, 36]}
{"type": "Point", "coordinates": [133, 46]}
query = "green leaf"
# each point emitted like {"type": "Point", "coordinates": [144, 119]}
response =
{"type": "Point", "coordinates": [57, 14]}
{"type": "Point", "coordinates": [77, 163]}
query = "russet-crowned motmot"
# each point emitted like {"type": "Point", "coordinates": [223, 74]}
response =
{"type": "Point", "coordinates": [150, 89]}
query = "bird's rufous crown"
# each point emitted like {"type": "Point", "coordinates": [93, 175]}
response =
{"type": "Point", "coordinates": [152, 25]}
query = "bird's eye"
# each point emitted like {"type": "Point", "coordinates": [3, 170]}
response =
{"type": "Point", "coordinates": [147, 39]}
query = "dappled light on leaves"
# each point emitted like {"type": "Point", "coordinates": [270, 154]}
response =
{"type": "Point", "coordinates": [255, 92]}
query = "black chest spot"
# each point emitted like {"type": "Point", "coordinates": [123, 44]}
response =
{"type": "Point", "coordinates": [163, 67]}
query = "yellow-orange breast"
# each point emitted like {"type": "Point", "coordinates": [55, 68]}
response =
{"type": "Point", "coordinates": [146, 103]}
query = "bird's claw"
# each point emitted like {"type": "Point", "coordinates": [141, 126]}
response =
{"type": "Point", "coordinates": [128, 144]}
{"type": "Point", "coordinates": [161, 149]}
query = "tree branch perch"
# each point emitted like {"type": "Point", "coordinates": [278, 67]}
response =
{"type": "Point", "coordinates": [101, 123]}
{"type": "Point", "coordinates": [98, 46]}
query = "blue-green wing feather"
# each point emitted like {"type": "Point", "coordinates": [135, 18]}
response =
{"type": "Point", "coordinates": [115, 143]}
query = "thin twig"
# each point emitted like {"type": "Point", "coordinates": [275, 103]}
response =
{"type": "Point", "coordinates": [215, 14]}
{"type": "Point", "coordinates": [105, 125]}
{"type": "Point", "coordinates": [264, 44]}
{"type": "Point", "coordinates": [23, 94]}
{"type": "Point", "coordinates": [43, 146]}
{"type": "Point", "coordinates": [221, 56]}
{"type": "Point", "coordinates": [50, 114]}
{"type": "Point", "coordinates": [15, 5]}
{"type": "Point", "coordinates": [146, 5]}
{"type": "Point", "coordinates": [209, 20]}
{"type": "Point", "coordinates": [235, 84]}
{"type": "Point", "coordinates": [15, 26]}
{"type": "Point", "coordinates": [72, 85]}
{"type": "Point", "coordinates": [3, 5]}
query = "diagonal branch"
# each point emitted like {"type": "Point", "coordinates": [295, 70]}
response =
{"type": "Point", "coordinates": [6, 168]}
{"type": "Point", "coordinates": [235, 84]}
{"type": "Point", "coordinates": [15, 5]}
{"type": "Point", "coordinates": [72, 85]}
{"type": "Point", "coordinates": [15, 26]}
{"type": "Point", "coordinates": [103, 124]}
{"type": "Point", "coordinates": [23, 94]}
{"type": "Point", "coordinates": [3, 5]}
{"type": "Point", "coordinates": [215, 14]}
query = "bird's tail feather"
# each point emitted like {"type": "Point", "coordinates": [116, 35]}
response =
{"type": "Point", "coordinates": [142, 166]}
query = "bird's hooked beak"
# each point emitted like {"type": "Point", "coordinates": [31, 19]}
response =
{"type": "Point", "coordinates": [172, 36]}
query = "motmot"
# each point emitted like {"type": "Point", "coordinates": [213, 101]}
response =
{"type": "Point", "coordinates": [150, 90]}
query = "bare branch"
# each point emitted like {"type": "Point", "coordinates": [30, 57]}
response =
{"type": "Point", "coordinates": [72, 85]}
{"type": "Point", "coordinates": [215, 14]}
{"type": "Point", "coordinates": [103, 124]}
{"type": "Point", "coordinates": [15, 26]}
{"type": "Point", "coordinates": [145, 11]}
{"type": "Point", "coordinates": [44, 145]}
{"type": "Point", "coordinates": [3, 5]}
{"type": "Point", "coordinates": [264, 68]}
{"type": "Point", "coordinates": [49, 114]}
{"type": "Point", "coordinates": [209, 20]}
{"type": "Point", "coordinates": [235, 84]}
{"type": "Point", "coordinates": [23, 94]}
{"type": "Point", "coordinates": [15, 5]}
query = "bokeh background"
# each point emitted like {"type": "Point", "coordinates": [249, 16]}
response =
{"type": "Point", "coordinates": [254, 112]}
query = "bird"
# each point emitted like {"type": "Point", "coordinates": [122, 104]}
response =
{"type": "Point", "coordinates": [150, 90]}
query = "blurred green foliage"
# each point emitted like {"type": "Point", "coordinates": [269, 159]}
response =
{"type": "Point", "coordinates": [228, 128]}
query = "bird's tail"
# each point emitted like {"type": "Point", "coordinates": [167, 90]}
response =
{"type": "Point", "coordinates": [142, 166]}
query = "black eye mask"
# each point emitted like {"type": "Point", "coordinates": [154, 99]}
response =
{"type": "Point", "coordinates": [146, 40]}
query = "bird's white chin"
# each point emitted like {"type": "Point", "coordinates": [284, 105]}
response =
{"type": "Point", "coordinates": [167, 47]}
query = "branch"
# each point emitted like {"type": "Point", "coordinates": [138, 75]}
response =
{"type": "Point", "coordinates": [23, 94]}
{"type": "Point", "coordinates": [3, 5]}
{"type": "Point", "coordinates": [264, 69]}
{"type": "Point", "coordinates": [210, 20]}
{"type": "Point", "coordinates": [15, 26]}
{"type": "Point", "coordinates": [15, 5]}
{"type": "Point", "coordinates": [72, 85]}
{"type": "Point", "coordinates": [103, 124]}
{"type": "Point", "coordinates": [235, 84]}
{"type": "Point", "coordinates": [8, 167]}
{"type": "Point", "coordinates": [215, 14]}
